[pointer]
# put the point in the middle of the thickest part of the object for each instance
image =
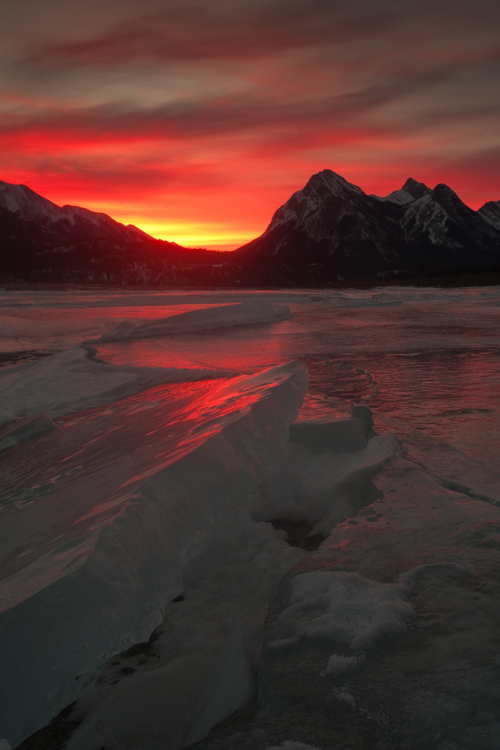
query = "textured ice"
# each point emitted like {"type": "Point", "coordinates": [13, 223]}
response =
{"type": "Point", "coordinates": [73, 380]}
{"type": "Point", "coordinates": [214, 635]}
{"type": "Point", "coordinates": [73, 494]}
{"type": "Point", "coordinates": [24, 429]}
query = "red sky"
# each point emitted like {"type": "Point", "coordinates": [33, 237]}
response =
{"type": "Point", "coordinates": [197, 120]}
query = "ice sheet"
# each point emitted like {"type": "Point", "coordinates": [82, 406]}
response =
{"type": "Point", "coordinates": [93, 539]}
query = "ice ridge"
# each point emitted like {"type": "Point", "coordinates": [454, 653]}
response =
{"type": "Point", "coordinates": [104, 583]}
{"type": "Point", "coordinates": [223, 316]}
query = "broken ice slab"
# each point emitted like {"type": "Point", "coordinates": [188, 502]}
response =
{"type": "Point", "coordinates": [100, 513]}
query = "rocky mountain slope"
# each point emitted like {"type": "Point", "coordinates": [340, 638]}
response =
{"type": "Point", "coordinates": [332, 230]}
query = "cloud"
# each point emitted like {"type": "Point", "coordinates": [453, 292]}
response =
{"type": "Point", "coordinates": [224, 31]}
{"type": "Point", "coordinates": [197, 100]}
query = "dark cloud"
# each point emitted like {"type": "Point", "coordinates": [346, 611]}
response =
{"type": "Point", "coordinates": [220, 31]}
{"type": "Point", "coordinates": [226, 30]}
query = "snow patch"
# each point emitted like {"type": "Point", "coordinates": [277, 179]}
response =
{"type": "Point", "coordinates": [344, 607]}
{"type": "Point", "coordinates": [322, 488]}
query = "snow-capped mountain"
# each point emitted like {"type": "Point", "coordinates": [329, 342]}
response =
{"type": "Point", "coordinates": [29, 206]}
{"type": "Point", "coordinates": [332, 230]}
{"type": "Point", "coordinates": [41, 241]}
{"type": "Point", "coordinates": [410, 191]}
{"type": "Point", "coordinates": [328, 233]}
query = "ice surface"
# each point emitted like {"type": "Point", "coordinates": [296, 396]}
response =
{"type": "Point", "coordinates": [92, 555]}
{"type": "Point", "coordinates": [224, 316]}
{"type": "Point", "coordinates": [74, 380]}
{"type": "Point", "coordinates": [229, 688]}
{"type": "Point", "coordinates": [426, 362]}
{"type": "Point", "coordinates": [226, 589]}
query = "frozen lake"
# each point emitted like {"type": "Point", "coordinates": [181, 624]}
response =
{"type": "Point", "coordinates": [165, 440]}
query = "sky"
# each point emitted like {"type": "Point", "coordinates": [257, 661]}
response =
{"type": "Point", "coordinates": [195, 120]}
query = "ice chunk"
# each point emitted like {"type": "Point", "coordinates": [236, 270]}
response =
{"type": "Point", "coordinates": [93, 561]}
{"type": "Point", "coordinates": [332, 424]}
{"type": "Point", "coordinates": [217, 627]}
{"type": "Point", "coordinates": [322, 489]}
{"type": "Point", "coordinates": [344, 607]}
{"type": "Point", "coordinates": [207, 319]}
{"type": "Point", "coordinates": [24, 429]}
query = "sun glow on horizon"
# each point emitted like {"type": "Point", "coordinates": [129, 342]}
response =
{"type": "Point", "coordinates": [210, 237]}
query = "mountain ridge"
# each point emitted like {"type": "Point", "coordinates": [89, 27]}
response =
{"type": "Point", "coordinates": [328, 233]}
{"type": "Point", "coordinates": [351, 235]}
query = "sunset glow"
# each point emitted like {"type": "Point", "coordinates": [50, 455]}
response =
{"type": "Point", "coordinates": [196, 121]}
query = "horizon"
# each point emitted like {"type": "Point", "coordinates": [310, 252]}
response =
{"type": "Point", "coordinates": [195, 122]}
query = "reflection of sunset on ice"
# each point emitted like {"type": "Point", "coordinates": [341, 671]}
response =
{"type": "Point", "coordinates": [197, 551]}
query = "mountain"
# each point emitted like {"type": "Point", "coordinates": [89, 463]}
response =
{"type": "Point", "coordinates": [332, 231]}
{"type": "Point", "coordinates": [411, 190]}
{"type": "Point", "coordinates": [329, 233]}
{"type": "Point", "coordinates": [41, 241]}
{"type": "Point", "coordinates": [490, 212]}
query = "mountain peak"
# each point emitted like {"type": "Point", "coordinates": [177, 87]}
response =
{"type": "Point", "coordinates": [334, 182]}
{"type": "Point", "coordinates": [411, 191]}
{"type": "Point", "coordinates": [415, 189]}
{"type": "Point", "coordinates": [490, 212]}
